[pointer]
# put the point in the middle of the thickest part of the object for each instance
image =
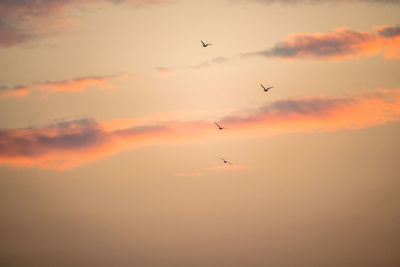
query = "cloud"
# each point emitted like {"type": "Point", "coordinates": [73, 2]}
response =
{"type": "Point", "coordinates": [25, 20]}
{"type": "Point", "coordinates": [72, 86]}
{"type": "Point", "coordinates": [17, 91]}
{"type": "Point", "coordinates": [320, 113]}
{"type": "Point", "coordinates": [208, 63]}
{"type": "Point", "coordinates": [69, 144]}
{"type": "Point", "coordinates": [339, 44]}
{"type": "Point", "coordinates": [389, 31]}
{"type": "Point", "coordinates": [164, 71]}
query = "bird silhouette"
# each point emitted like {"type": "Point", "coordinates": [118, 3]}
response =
{"type": "Point", "coordinates": [220, 127]}
{"type": "Point", "coordinates": [203, 44]}
{"type": "Point", "coordinates": [266, 89]}
{"type": "Point", "coordinates": [225, 161]}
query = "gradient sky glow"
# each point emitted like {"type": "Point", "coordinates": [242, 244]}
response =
{"type": "Point", "coordinates": [109, 155]}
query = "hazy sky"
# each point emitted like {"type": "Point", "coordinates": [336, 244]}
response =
{"type": "Point", "coordinates": [109, 155]}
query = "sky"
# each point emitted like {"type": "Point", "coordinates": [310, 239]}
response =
{"type": "Point", "coordinates": [110, 156]}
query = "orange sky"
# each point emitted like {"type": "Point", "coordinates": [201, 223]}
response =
{"type": "Point", "coordinates": [109, 152]}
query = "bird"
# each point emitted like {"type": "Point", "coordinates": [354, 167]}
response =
{"type": "Point", "coordinates": [219, 126]}
{"type": "Point", "coordinates": [266, 89]}
{"type": "Point", "coordinates": [226, 162]}
{"type": "Point", "coordinates": [203, 44]}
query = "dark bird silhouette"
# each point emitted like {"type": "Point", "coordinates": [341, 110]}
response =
{"type": "Point", "coordinates": [220, 127]}
{"type": "Point", "coordinates": [226, 162]}
{"type": "Point", "coordinates": [203, 44]}
{"type": "Point", "coordinates": [266, 89]}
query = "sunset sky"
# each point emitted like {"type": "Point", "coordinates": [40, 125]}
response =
{"type": "Point", "coordinates": [109, 155]}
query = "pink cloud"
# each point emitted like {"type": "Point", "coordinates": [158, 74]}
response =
{"type": "Point", "coordinates": [72, 86]}
{"type": "Point", "coordinates": [18, 91]}
{"type": "Point", "coordinates": [339, 44]}
{"type": "Point", "coordinates": [70, 144]}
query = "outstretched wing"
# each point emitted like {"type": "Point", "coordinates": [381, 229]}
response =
{"type": "Point", "coordinates": [202, 42]}
{"type": "Point", "coordinates": [217, 125]}
{"type": "Point", "coordinates": [263, 86]}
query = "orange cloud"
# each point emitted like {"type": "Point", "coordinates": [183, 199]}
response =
{"type": "Point", "coordinates": [72, 86]}
{"type": "Point", "coordinates": [339, 44]}
{"type": "Point", "coordinates": [18, 91]}
{"type": "Point", "coordinates": [79, 84]}
{"type": "Point", "coordinates": [320, 113]}
{"type": "Point", "coordinates": [70, 144]}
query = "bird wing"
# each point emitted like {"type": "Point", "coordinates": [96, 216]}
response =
{"type": "Point", "coordinates": [262, 86]}
{"type": "Point", "coordinates": [217, 125]}
{"type": "Point", "coordinates": [230, 162]}
{"type": "Point", "coordinates": [202, 42]}
{"type": "Point", "coordinates": [270, 87]}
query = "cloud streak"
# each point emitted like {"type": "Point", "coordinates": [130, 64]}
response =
{"type": "Point", "coordinates": [72, 86]}
{"type": "Point", "coordinates": [208, 63]}
{"type": "Point", "coordinates": [25, 20]}
{"type": "Point", "coordinates": [17, 91]}
{"type": "Point", "coordinates": [164, 71]}
{"type": "Point", "coordinates": [70, 144]}
{"type": "Point", "coordinates": [338, 44]}
{"type": "Point", "coordinates": [321, 113]}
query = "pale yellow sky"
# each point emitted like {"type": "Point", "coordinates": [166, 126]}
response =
{"type": "Point", "coordinates": [315, 174]}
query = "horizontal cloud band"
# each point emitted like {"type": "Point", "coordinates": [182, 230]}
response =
{"type": "Point", "coordinates": [339, 44]}
{"type": "Point", "coordinates": [70, 144]}
{"type": "Point", "coordinates": [73, 85]}
{"type": "Point", "coordinates": [25, 20]}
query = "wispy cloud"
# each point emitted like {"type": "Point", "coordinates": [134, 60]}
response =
{"type": "Point", "coordinates": [25, 20]}
{"type": "Point", "coordinates": [208, 63]}
{"type": "Point", "coordinates": [339, 44]}
{"type": "Point", "coordinates": [164, 71]}
{"type": "Point", "coordinates": [72, 86]}
{"type": "Point", "coordinates": [17, 91]}
{"type": "Point", "coordinates": [70, 144]}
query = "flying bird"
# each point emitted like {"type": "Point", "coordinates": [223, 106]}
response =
{"type": "Point", "coordinates": [266, 89]}
{"type": "Point", "coordinates": [203, 44]}
{"type": "Point", "coordinates": [220, 127]}
{"type": "Point", "coordinates": [226, 162]}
